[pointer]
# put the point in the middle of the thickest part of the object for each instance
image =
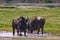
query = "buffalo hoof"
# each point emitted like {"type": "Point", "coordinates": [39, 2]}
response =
{"type": "Point", "coordinates": [25, 35]}
{"type": "Point", "coordinates": [20, 35]}
{"type": "Point", "coordinates": [37, 33]}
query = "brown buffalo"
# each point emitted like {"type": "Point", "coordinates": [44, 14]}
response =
{"type": "Point", "coordinates": [15, 25]}
{"type": "Point", "coordinates": [20, 24]}
{"type": "Point", "coordinates": [36, 23]}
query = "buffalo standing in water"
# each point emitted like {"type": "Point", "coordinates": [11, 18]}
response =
{"type": "Point", "coordinates": [20, 25]}
{"type": "Point", "coordinates": [36, 23]}
{"type": "Point", "coordinates": [15, 25]}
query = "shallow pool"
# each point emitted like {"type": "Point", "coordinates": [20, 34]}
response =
{"type": "Point", "coordinates": [33, 35]}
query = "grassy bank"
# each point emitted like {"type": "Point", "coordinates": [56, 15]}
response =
{"type": "Point", "coordinates": [52, 16]}
{"type": "Point", "coordinates": [6, 38]}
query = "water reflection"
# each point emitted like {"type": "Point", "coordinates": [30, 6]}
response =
{"type": "Point", "coordinates": [34, 35]}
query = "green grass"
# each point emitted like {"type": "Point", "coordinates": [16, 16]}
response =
{"type": "Point", "coordinates": [7, 38]}
{"type": "Point", "coordinates": [52, 16]}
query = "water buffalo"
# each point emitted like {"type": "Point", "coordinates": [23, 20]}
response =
{"type": "Point", "coordinates": [20, 24]}
{"type": "Point", "coordinates": [36, 23]}
{"type": "Point", "coordinates": [15, 25]}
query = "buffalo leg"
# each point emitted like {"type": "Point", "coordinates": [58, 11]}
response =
{"type": "Point", "coordinates": [13, 31]}
{"type": "Point", "coordinates": [20, 33]}
{"type": "Point", "coordinates": [25, 33]}
{"type": "Point", "coordinates": [31, 31]}
{"type": "Point", "coordinates": [38, 30]}
{"type": "Point", "coordinates": [42, 30]}
{"type": "Point", "coordinates": [17, 31]}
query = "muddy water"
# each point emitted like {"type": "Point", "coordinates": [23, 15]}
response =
{"type": "Point", "coordinates": [33, 35]}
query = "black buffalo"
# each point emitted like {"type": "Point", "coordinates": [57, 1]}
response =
{"type": "Point", "coordinates": [20, 24]}
{"type": "Point", "coordinates": [36, 23]}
